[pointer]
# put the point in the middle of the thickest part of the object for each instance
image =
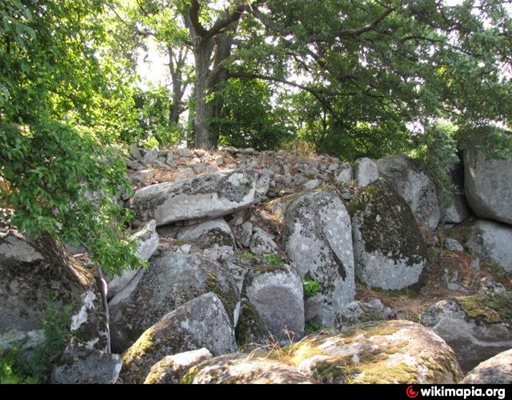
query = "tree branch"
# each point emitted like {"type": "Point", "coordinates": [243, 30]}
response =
{"type": "Point", "coordinates": [223, 23]}
{"type": "Point", "coordinates": [195, 8]}
{"type": "Point", "coordinates": [368, 27]}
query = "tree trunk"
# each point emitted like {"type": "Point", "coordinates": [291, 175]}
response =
{"type": "Point", "coordinates": [203, 105]}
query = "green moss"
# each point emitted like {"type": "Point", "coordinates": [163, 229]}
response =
{"type": "Point", "coordinates": [387, 224]}
{"type": "Point", "coordinates": [139, 349]}
{"type": "Point", "coordinates": [330, 372]}
{"type": "Point", "coordinates": [189, 377]}
{"type": "Point", "coordinates": [228, 296]}
{"type": "Point", "coordinates": [490, 308]}
{"type": "Point", "coordinates": [250, 327]}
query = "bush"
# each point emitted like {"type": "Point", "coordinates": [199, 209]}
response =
{"type": "Point", "coordinates": [61, 182]}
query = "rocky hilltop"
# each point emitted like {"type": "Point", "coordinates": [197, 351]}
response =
{"type": "Point", "coordinates": [269, 267]}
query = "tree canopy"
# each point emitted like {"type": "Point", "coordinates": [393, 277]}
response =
{"type": "Point", "coordinates": [350, 77]}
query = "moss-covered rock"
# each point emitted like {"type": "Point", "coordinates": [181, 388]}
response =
{"type": "Point", "coordinates": [171, 280]}
{"type": "Point", "coordinates": [251, 330]}
{"type": "Point", "coordinates": [383, 352]}
{"type": "Point", "coordinates": [35, 277]}
{"type": "Point", "coordinates": [277, 296]}
{"type": "Point", "coordinates": [244, 369]}
{"type": "Point", "coordinates": [171, 369]}
{"type": "Point", "coordinates": [476, 327]}
{"type": "Point", "coordinates": [202, 322]}
{"type": "Point", "coordinates": [389, 250]}
{"type": "Point", "coordinates": [495, 371]}
{"type": "Point", "coordinates": [318, 239]}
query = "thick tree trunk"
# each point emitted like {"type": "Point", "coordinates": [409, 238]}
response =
{"type": "Point", "coordinates": [203, 104]}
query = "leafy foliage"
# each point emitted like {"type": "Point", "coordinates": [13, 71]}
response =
{"type": "Point", "coordinates": [273, 259]}
{"type": "Point", "coordinates": [311, 287]}
{"type": "Point", "coordinates": [59, 113]}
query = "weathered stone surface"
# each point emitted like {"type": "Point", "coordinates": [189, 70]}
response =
{"type": "Point", "coordinates": [384, 352]}
{"type": "Point", "coordinates": [389, 249]}
{"type": "Point", "coordinates": [453, 245]}
{"type": "Point", "coordinates": [359, 312]}
{"type": "Point", "coordinates": [171, 280]}
{"type": "Point", "coordinates": [495, 371]}
{"type": "Point", "coordinates": [251, 330]}
{"type": "Point", "coordinates": [318, 239]}
{"type": "Point", "coordinates": [204, 196]}
{"type": "Point", "coordinates": [213, 233]}
{"type": "Point", "coordinates": [366, 171]}
{"type": "Point", "coordinates": [262, 243]}
{"type": "Point", "coordinates": [277, 296]}
{"type": "Point", "coordinates": [171, 369]}
{"type": "Point", "coordinates": [244, 369]}
{"type": "Point", "coordinates": [79, 364]}
{"type": "Point", "coordinates": [487, 186]}
{"type": "Point", "coordinates": [492, 241]}
{"type": "Point", "coordinates": [346, 174]}
{"type": "Point", "coordinates": [201, 322]}
{"type": "Point", "coordinates": [147, 240]}
{"type": "Point", "coordinates": [413, 185]}
{"type": "Point", "coordinates": [476, 327]}
{"type": "Point", "coordinates": [33, 279]}
{"type": "Point", "coordinates": [147, 243]}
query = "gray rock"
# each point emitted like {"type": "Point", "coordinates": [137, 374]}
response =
{"type": "Point", "coordinates": [312, 184]}
{"type": "Point", "coordinates": [205, 196]}
{"type": "Point", "coordinates": [147, 240]}
{"type": "Point", "coordinates": [34, 279]}
{"type": "Point", "coordinates": [150, 157]}
{"type": "Point", "coordinates": [213, 233]}
{"type": "Point", "coordinates": [244, 234]}
{"type": "Point", "coordinates": [185, 152]}
{"type": "Point", "coordinates": [244, 369]}
{"type": "Point", "coordinates": [389, 250]}
{"type": "Point", "coordinates": [262, 243]}
{"type": "Point", "coordinates": [171, 280]}
{"type": "Point", "coordinates": [359, 312]}
{"type": "Point", "coordinates": [487, 185]}
{"type": "Point", "coordinates": [495, 371]}
{"type": "Point", "coordinates": [80, 365]}
{"type": "Point", "coordinates": [413, 185]}
{"type": "Point", "coordinates": [318, 239]}
{"type": "Point", "coordinates": [147, 243]}
{"type": "Point", "coordinates": [201, 322]}
{"type": "Point", "coordinates": [171, 369]}
{"type": "Point", "coordinates": [491, 241]}
{"type": "Point", "coordinates": [263, 185]}
{"type": "Point", "coordinates": [277, 296]}
{"type": "Point", "coordinates": [366, 171]}
{"type": "Point", "coordinates": [346, 174]}
{"type": "Point", "coordinates": [135, 153]}
{"type": "Point", "coordinates": [453, 245]}
{"type": "Point", "coordinates": [219, 161]}
{"type": "Point", "coordinates": [125, 283]}
{"type": "Point", "coordinates": [475, 327]}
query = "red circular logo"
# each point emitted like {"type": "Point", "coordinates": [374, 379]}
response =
{"type": "Point", "coordinates": [411, 393]}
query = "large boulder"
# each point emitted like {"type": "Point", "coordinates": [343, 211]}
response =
{"type": "Point", "coordinates": [413, 185]}
{"type": "Point", "coordinates": [276, 294]}
{"type": "Point", "coordinates": [201, 322]}
{"type": "Point", "coordinates": [492, 241]}
{"type": "Point", "coordinates": [487, 185]}
{"type": "Point", "coordinates": [171, 369]}
{"type": "Point", "coordinates": [251, 331]}
{"type": "Point", "coordinates": [476, 327]}
{"type": "Point", "coordinates": [384, 352]}
{"type": "Point", "coordinates": [36, 279]}
{"type": "Point", "coordinates": [244, 369]}
{"type": "Point", "coordinates": [389, 249]}
{"type": "Point", "coordinates": [79, 365]}
{"type": "Point", "coordinates": [318, 239]}
{"type": "Point", "coordinates": [495, 371]}
{"type": "Point", "coordinates": [208, 234]}
{"type": "Point", "coordinates": [205, 196]}
{"type": "Point", "coordinates": [171, 280]}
